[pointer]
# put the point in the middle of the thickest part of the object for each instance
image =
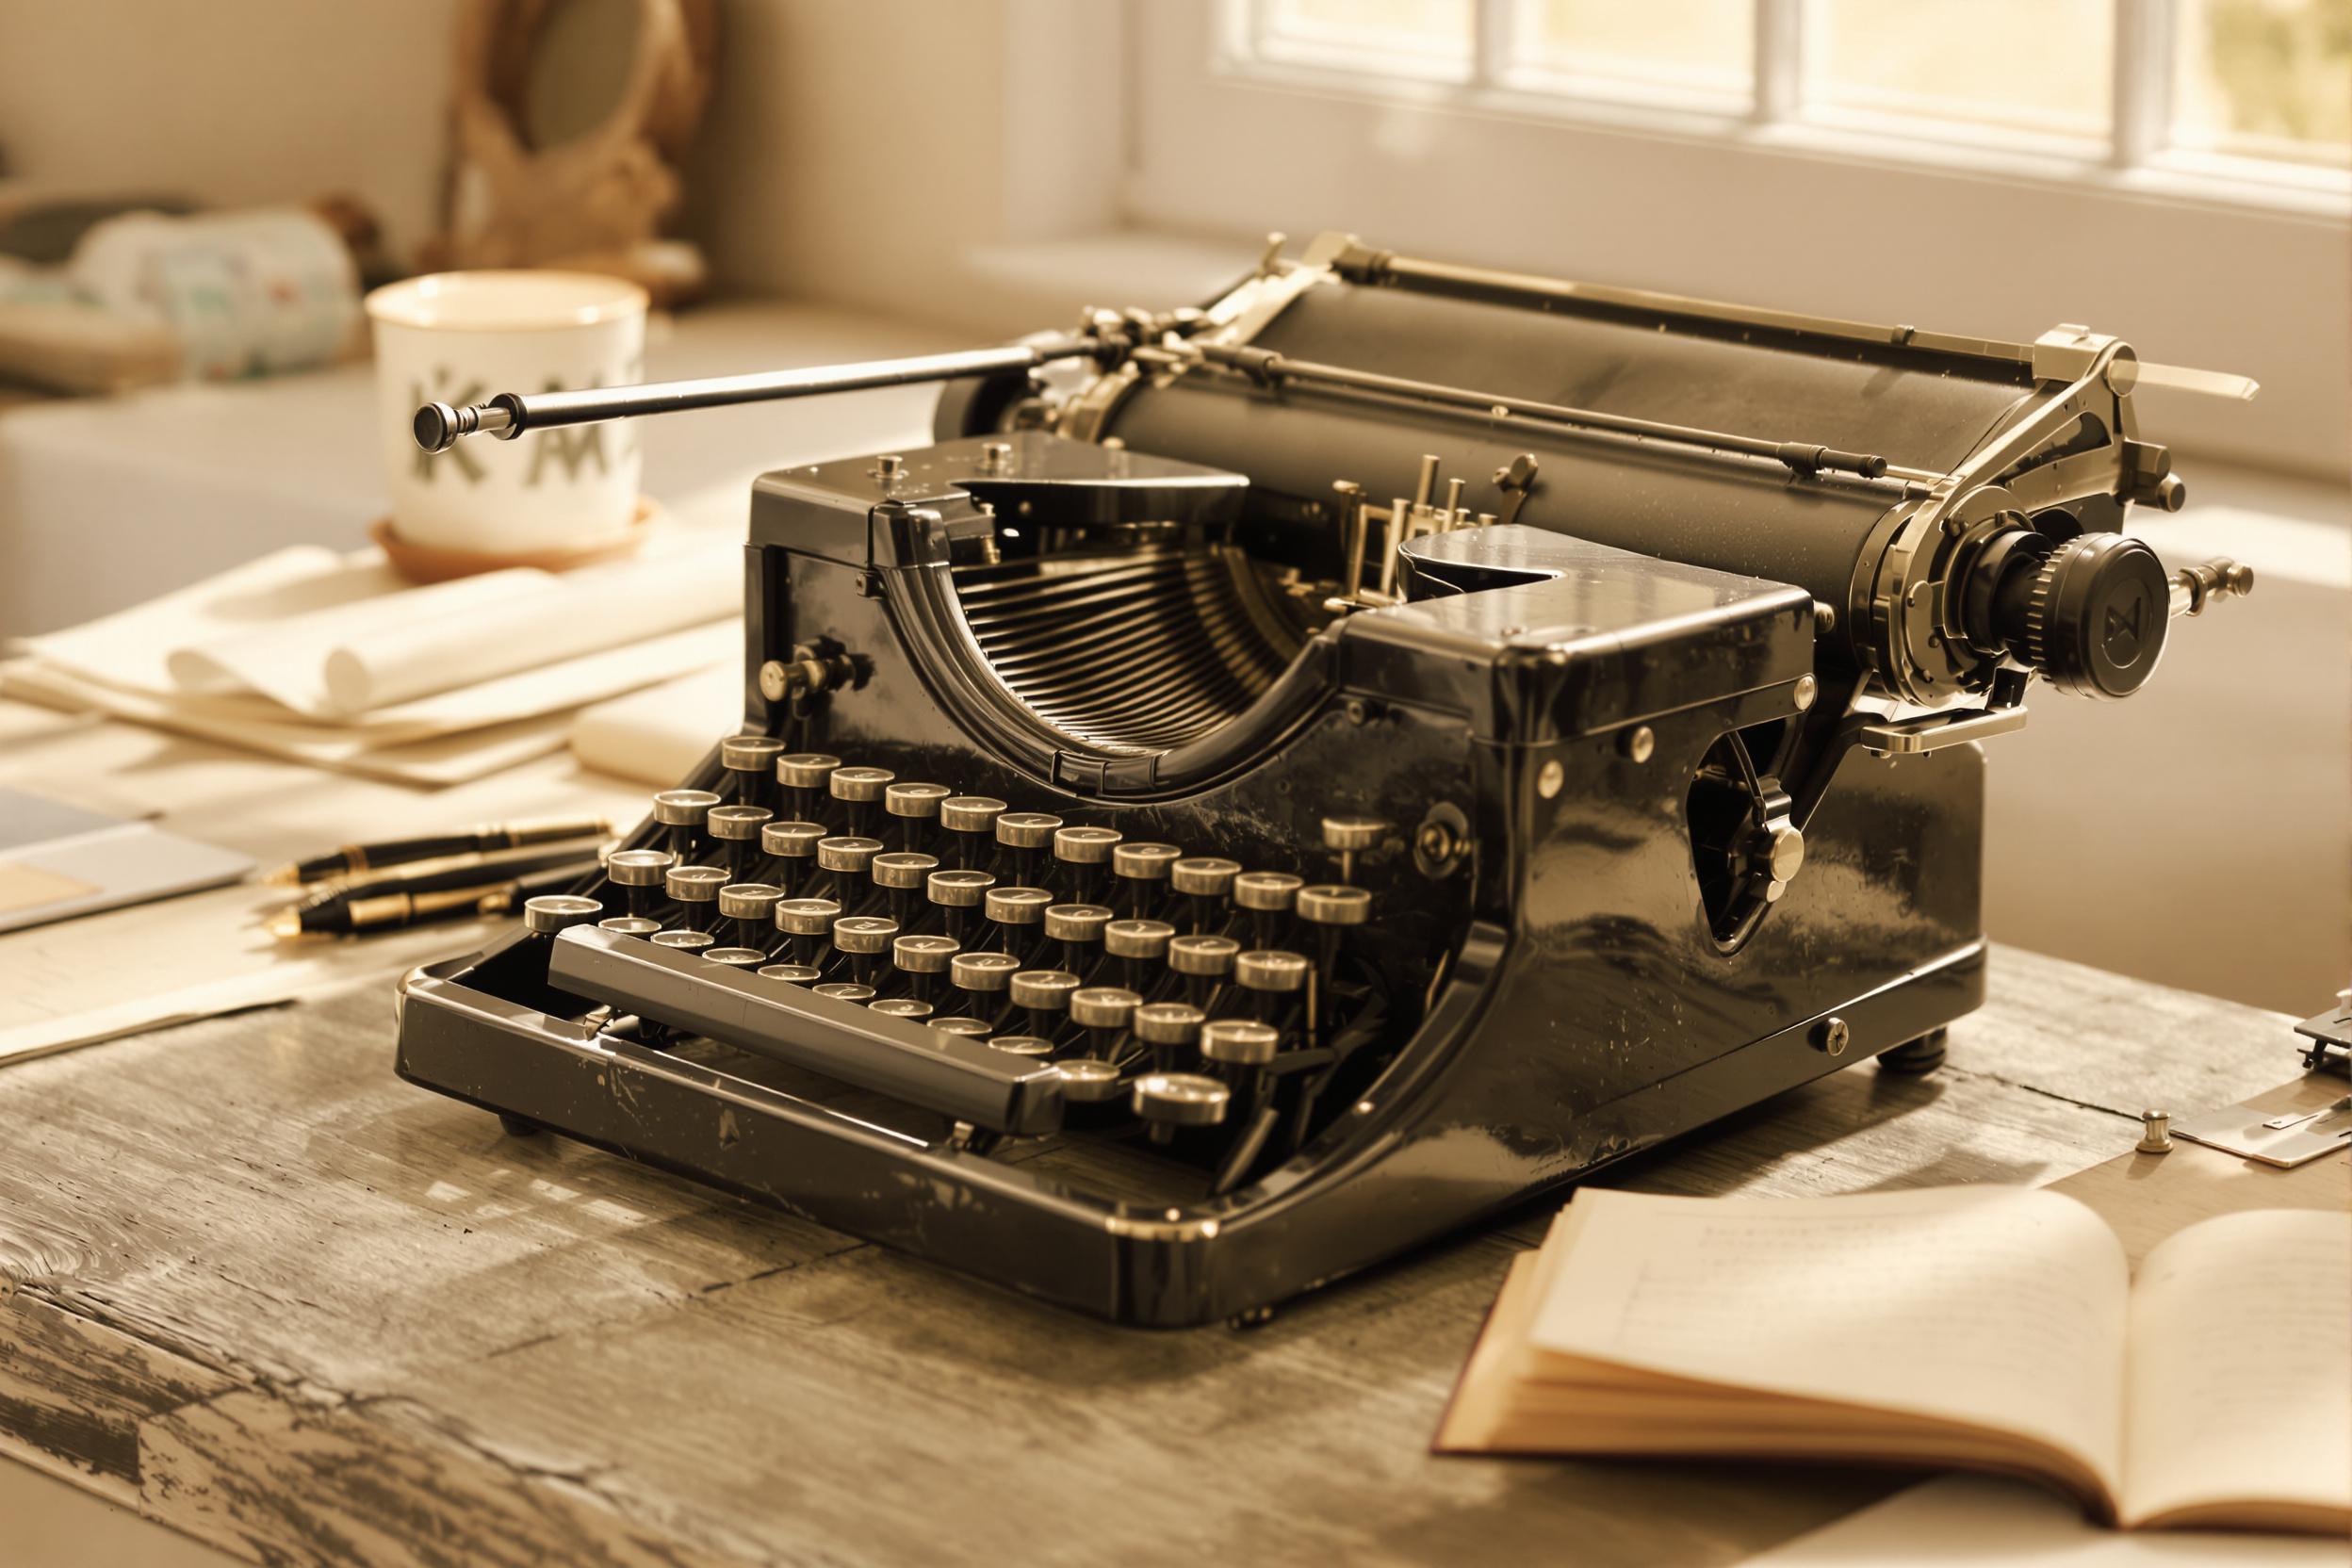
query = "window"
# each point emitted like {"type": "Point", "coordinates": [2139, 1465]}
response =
{"type": "Point", "coordinates": [2253, 97]}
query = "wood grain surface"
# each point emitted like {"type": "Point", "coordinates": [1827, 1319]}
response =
{"type": "Point", "coordinates": [266, 1294]}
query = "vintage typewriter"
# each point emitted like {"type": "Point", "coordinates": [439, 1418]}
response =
{"type": "Point", "coordinates": [1276, 782]}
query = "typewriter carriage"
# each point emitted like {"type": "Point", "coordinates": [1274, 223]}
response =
{"type": "Point", "coordinates": [1654, 852]}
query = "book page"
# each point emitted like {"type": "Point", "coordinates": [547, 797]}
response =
{"type": "Point", "coordinates": [2241, 1368]}
{"type": "Point", "coordinates": [1996, 1307]}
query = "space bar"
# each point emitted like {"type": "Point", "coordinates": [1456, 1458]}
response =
{"type": "Point", "coordinates": [953, 1074]}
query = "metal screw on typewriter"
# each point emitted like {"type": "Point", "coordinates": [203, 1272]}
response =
{"type": "Point", "coordinates": [1344, 848]}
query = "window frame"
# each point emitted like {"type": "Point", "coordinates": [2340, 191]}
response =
{"type": "Point", "coordinates": [2133, 153]}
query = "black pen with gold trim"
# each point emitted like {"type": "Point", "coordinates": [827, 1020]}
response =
{"type": "Point", "coordinates": [390, 902]}
{"type": "Point", "coordinates": [484, 839]}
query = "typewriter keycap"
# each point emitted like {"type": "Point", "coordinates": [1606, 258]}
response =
{"type": "Point", "coordinates": [638, 873]}
{"type": "Point", "coordinates": [1137, 938]}
{"type": "Point", "coordinates": [982, 972]}
{"type": "Point", "coordinates": [903, 1006]}
{"type": "Point", "coordinates": [630, 925]}
{"type": "Point", "coordinates": [1022, 838]}
{"type": "Point", "coordinates": [1022, 1045]}
{"type": "Point", "coordinates": [792, 847]}
{"type": "Point", "coordinates": [547, 914]}
{"type": "Point", "coordinates": [1083, 856]}
{"type": "Point", "coordinates": [847, 863]}
{"type": "Point", "coordinates": [803, 774]}
{"type": "Point", "coordinates": [752, 906]}
{"type": "Point", "coordinates": [1170, 1100]}
{"type": "Point", "coordinates": [1268, 897]}
{"type": "Point", "coordinates": [735, 957]}
{"type": "Point", "coordinates": [694, 891]}
{"type": "Point", "coordinates": [913, 809]}
{"type": "Point", "coordinates": [860, 790]}
{"type": "Point", "coordinates": [1140, 872]}
{"type": "Point", "coordinates": [1238, 1043]}
{"type": "Point", "coordinates": [864, 938]}
{"type": "Point", "coordinates": [1016, 914]}
{"type": "Point", "coordinates": [1088, 1081]}
{"type": "Point", "coordinates": [793, 974]}
{"type": "Point", "coordinates": [845, 991]}
{"type": "Point", "coordinates": [685, 942]}
{"type": "Point", "coordinates": [1203, 882]}
{"type": "Point", "coordinates": [921, 955]}
{"type": "Point", "coordinates": [1169, 1023]}
{"type": "Point", "coordinates": [969, 825]}
{"type": "Point", "coordinates": [750, 764]}
{"type": "Point", "coordinates": [1204, 962]}
{"type": "Point", "coordinates": [1271, 973]}
{"type": "Point", "coordinates": [808, 922]}
{"type": "Point", "coordinates": [1045, 993]}
{"type": "Point", "coordinates": [1079, 928]}
{"type": "Point", "coordinates": [1107, 1009]}
{"type": "Point", "coordinates": [735, 832]}
{"type": "Point", "coordinates": [971, 1028]}
{"type": "Point", "coordinates": [1333, 904]}
{"type": "Point", "coordinates": [686, 813]}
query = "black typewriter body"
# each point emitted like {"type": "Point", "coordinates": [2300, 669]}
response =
{"type": "Point", "coordinates": [1578, 844]}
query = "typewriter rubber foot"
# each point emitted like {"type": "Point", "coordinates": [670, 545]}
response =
{"type": "Point", "coordinates": [1255, 1317]}
{"type": "Point", "coordinates": [1913, 1058]}
{"type": "Point", "coordinates": [518, 1126]}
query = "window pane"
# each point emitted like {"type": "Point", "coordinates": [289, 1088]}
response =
{"type": "Point", "coordinates": [1704, 44]}
{"type": "Point", "coordinates": [2023, 65]}
{"type": "Point", "coordinates": [2265, 78]}
{"type": "Point", "coordinates": [1435, 30]}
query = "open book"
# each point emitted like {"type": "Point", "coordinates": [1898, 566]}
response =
{"type": "Point", "coordinates": [1978, 1328]}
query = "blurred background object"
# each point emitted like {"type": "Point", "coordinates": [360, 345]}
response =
{"type": "Point", "coordinates": [904, 175]}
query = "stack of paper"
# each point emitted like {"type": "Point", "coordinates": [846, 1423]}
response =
{"type": "Point", "coordinates": [337, 661]}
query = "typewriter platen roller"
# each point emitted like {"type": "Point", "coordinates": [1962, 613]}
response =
{"type": "Point", "coordinates": [1277, 781]}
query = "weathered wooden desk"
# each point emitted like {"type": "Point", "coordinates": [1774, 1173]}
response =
{"type": "Point", "coordinates": [266, 1294]}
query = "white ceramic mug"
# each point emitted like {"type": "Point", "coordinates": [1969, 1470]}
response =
{"type": "Point", "coordinates": [462, 337]}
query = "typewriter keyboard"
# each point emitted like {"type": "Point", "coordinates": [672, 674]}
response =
{"type": "Point", "coordinates": [1221, 1009]}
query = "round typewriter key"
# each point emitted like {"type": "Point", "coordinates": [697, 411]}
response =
{"type": "Point", "coordinates": [902, 1007]}
{"type": "Point", "coordinates": [1045, 992]}
{"type": "Point", "coordinates": [864, 938]}
{"type": "Point", "coordinates": [686, 813]}
{"type": "Point", "coordinates": [638, 873]}
{"type": "Point", "coordinates": [791, 851]}
{"type": "Point", "coordinates": [1169, 1100]}
{"type": "Point", "coordinates": [1201, 956]}
{"type": "Point", "coordinates": [1203, 875]}
{"type": "Point", "coordinates": [1016, 913]}
{"type": "Point", "coordinates": [1349, 833]}
{"type": "Point", "coordinates": [956, 894]}
{"type": "Point", "coordinates": [982, 972]}
{"type": "Point", "coordinates": [1026, 829]}
{"type": "Point", "coordinates": [860, 785]}
{"type": "Point", "coordinates": [845, 991]}
{"type": "Point", "coordinates": [750, 762]}
{"type": "Point", "coordinates": [696, 891]}
{"type": "Point", "coordinates": [913, 809]}
{"type": "Point", "coordinates": [1110, 1007]}
{"type": "Point", "coordinates": [1139, 945]}
{"type": "Point", "coordinates": [1088, 1081]}
{"type": "Point", "coordinates": [1333, 904]}
{"type": "Point", "coordinates": [547, 914]}
{"type": "Point", "coordinates": [792, 974]}
{"type": "Point", "coordinates": [902, 870]}
{"type": "Point", "coordinates": [630, 925]}
{"type": "Point", "coordinates": [735, 957]}
{"type": "Point", "coordinates": [1079, 928]}
{"type": "Point", "coordinates": [847, 862]}
{"type": "Point", "coordinates": [803, 774]}
{"type": "Point", "coordinates": [1141, 870]}
{"type": "Point", "coordinates": [1266, 891]}
{"type": "Point", "coordinates": [735, 829]}
{"type": "Point", "coordinates": [685, 942]}
{"type": "Point", "coordinates": [1169, 1023]}
{"type": "Point", "coordinates": [969, 813]}
{"type": "Point", "coordinates": [1021, 1045]}
{"type": "Point", "coordinates": [921, 955]}
{"type": "Point", "coordinates": [752, 906]}
{"type": "Point", "coordinates": [1270, 971]}
{"type": "Point", "coordinates": [806, 922]}
{"type": "Point", "coordinates": [1085, 846]}
{"type": "Point", "coordinates": [1238, 1043]}
{"type": "Point", "coordinates": [971, 1028]}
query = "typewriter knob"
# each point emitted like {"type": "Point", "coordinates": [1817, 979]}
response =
{"type": "Point", "coordinates": [1172, 1100]}
{"type": "Point", "coordinates": [864, 933]}
{"type": "Point", "coordinates": [805, 770]}
{"type": "Point", "coordinates": [1015, 1045]}
{"type": "Point", "coordinates": [1167, 1024]}
{"type": "Point", "coordinates": [1238, 1043]}
{"type": "Point", "coordinates": [1087, 1081]}
{"type": "Point", "coordinates": [859, 786]}
{"type": "Point", "coordinates": [1775, 853]}
{"type": "Point", "coordinates": [683, 808]}
{"type": "Point", "coordinates": [552, 912]}
{"type": "Point", "coordinates": [922, 955]}
{"type": "Point", "coordinates": [1102, 1007]}
{"type": "Point", "coordinates": [848, 853]}
{"type": "Point", "coordinates": [982, 972]}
